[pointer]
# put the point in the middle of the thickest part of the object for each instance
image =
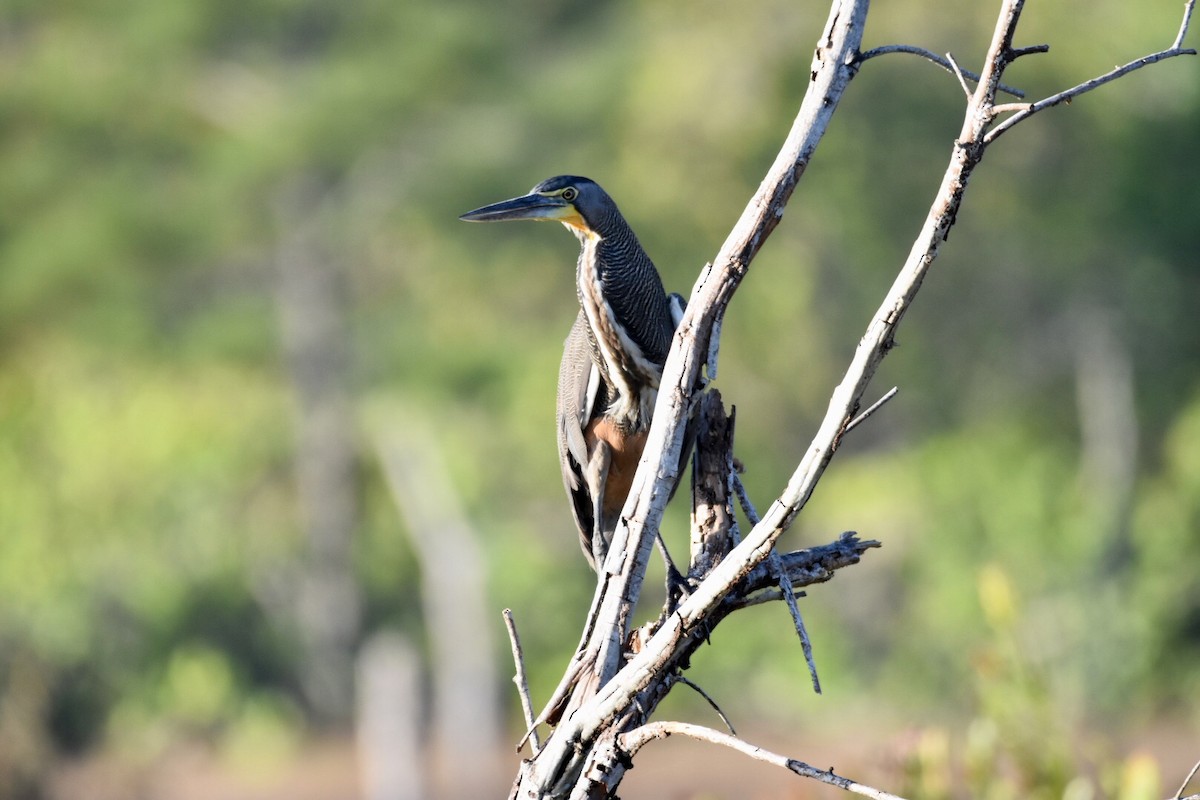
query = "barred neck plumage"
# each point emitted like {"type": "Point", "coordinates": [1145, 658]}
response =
{"type": "Point", "coordinates": [629, 319]}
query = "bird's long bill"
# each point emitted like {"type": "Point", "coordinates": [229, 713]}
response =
{"type": "Point", "coordinates": [531, 206]}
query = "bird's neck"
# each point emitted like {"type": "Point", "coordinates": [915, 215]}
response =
{"type": "Point", "coordinates": [631, 376]}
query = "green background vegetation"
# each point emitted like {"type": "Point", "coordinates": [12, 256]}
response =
{"type": "Point", "coordinates": [147, 504]}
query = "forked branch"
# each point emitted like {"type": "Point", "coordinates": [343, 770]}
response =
{"type": "Point", "coordinates": [1026, 110]}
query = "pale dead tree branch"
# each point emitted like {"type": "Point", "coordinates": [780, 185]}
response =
{"type": "Point", "coordinates": [619, 675]}
{"type": "Point", "coordinates": [636, 739]}
{"type": "Point", "coordinates": [1025, 111]}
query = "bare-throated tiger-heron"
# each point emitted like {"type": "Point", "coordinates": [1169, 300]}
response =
{"type": "Point", "coordinates": [612, 358]}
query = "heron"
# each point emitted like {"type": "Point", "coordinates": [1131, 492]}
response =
{"type": "Point", "coordinates": [613, 356]}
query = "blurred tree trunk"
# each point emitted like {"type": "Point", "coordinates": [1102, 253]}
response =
{"type": "Point", "coordinates": [464, 707]}
{"type": "Point", "coordinates": [1108, 429]}
{"type": "Point", "coordinates": [310, 295]}
{"type": "Point", "coordinates": [388, 722]}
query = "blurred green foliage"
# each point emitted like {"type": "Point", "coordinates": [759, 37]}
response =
{"type": "Point", "coordinates": [1020, 745]}
{"type": "Point", "coordinates": [147, 510]}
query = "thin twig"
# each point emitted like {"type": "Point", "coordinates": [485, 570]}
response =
{"type": "Point", "coordinates": [634, 740]}
{"type": "Point", "coordinates": [744, 500]}
{"type": "Point", "coordinates": [962, 79]}
{"type": "Point", "coordinates": [1032, 49]}
{"type": "Point", "coordinates": [566, 684]}
{"type": "Point", "coordinates": [878, 404]}
{"type": "Point", "coordinates": [775, 563]}
{"type": "Point", "coordinates": [935, 58]}
{"type": "Point", "coordinates": [1188, 8]}
{"type": "Point", "coordinates": [1186, 781]}
{"type": "Point", "coordinates": [684, 680]}
{"type": "Point", "coordinates": [764, 596]}
{"type": "Point", "coordinates": [522, 684]}
{"type": "Point", "coordinates": [1005, 108]}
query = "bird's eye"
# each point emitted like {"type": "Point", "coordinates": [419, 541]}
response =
{"type": "Point", "coordinates": [570, 193]}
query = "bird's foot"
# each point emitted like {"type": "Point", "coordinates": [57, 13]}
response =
{"type": "Point", "coordinates": [677, 588]}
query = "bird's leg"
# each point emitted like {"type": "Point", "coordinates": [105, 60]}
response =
{"type": "Point", "coordinates": [599, 463]}
{"type": "Point", "coordinates": [597, 477]}
{"type": "Point", "coordinates": [676, 585]}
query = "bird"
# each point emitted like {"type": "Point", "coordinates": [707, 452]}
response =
{"type": "Point", "coordinates": [613, 357]}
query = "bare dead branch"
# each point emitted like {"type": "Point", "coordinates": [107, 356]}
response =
{"type": "Point", "coordinates": [744, 500]}
{"type": "Point", "coordinates": [945, 64]}
{"type": "Point", "coordinates": [583, 657]}
{"type": "Point", "coordinates": [775, 564]}
{"type": "Point", "coordinates": [681, 678]}
{"type": "Point", "coordinates": [714, 344]}
{"type": "Point", "coordinates": [1018, 52]}
{"type": "Point", "coordinates": [713, 521]}
{"type": "Point", "coordinates": [808, 566]}
{"type": "Point", "coordinates": [521, 683]}
{"type": "Point", "coordinates": [803, 567]}
{"type": "Point", "coordinates": [1188, 8]}
{"type": "Point", "coordinates": [878, 404]}
{"type": "Point", "coordinates": [1176, 49]}
{"type": "Point", "coordinates": [1005, 108]}
{"type": "Point", "coordinates": [637, 738]}
{"type": "Point", "coordinates": [1195, 769]}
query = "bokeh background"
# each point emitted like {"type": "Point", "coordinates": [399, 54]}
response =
{"type": "Point", "coordinates": [253, 373]}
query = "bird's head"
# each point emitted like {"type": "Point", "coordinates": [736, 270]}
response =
{"type": "Point", "coordinates": [578, 203]}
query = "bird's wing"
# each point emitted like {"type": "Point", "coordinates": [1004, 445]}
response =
{"type": "Point", "coordinates": [579, 386]}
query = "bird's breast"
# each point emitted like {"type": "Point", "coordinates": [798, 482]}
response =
{"type": "Point", "coordinates": [626, 448]}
